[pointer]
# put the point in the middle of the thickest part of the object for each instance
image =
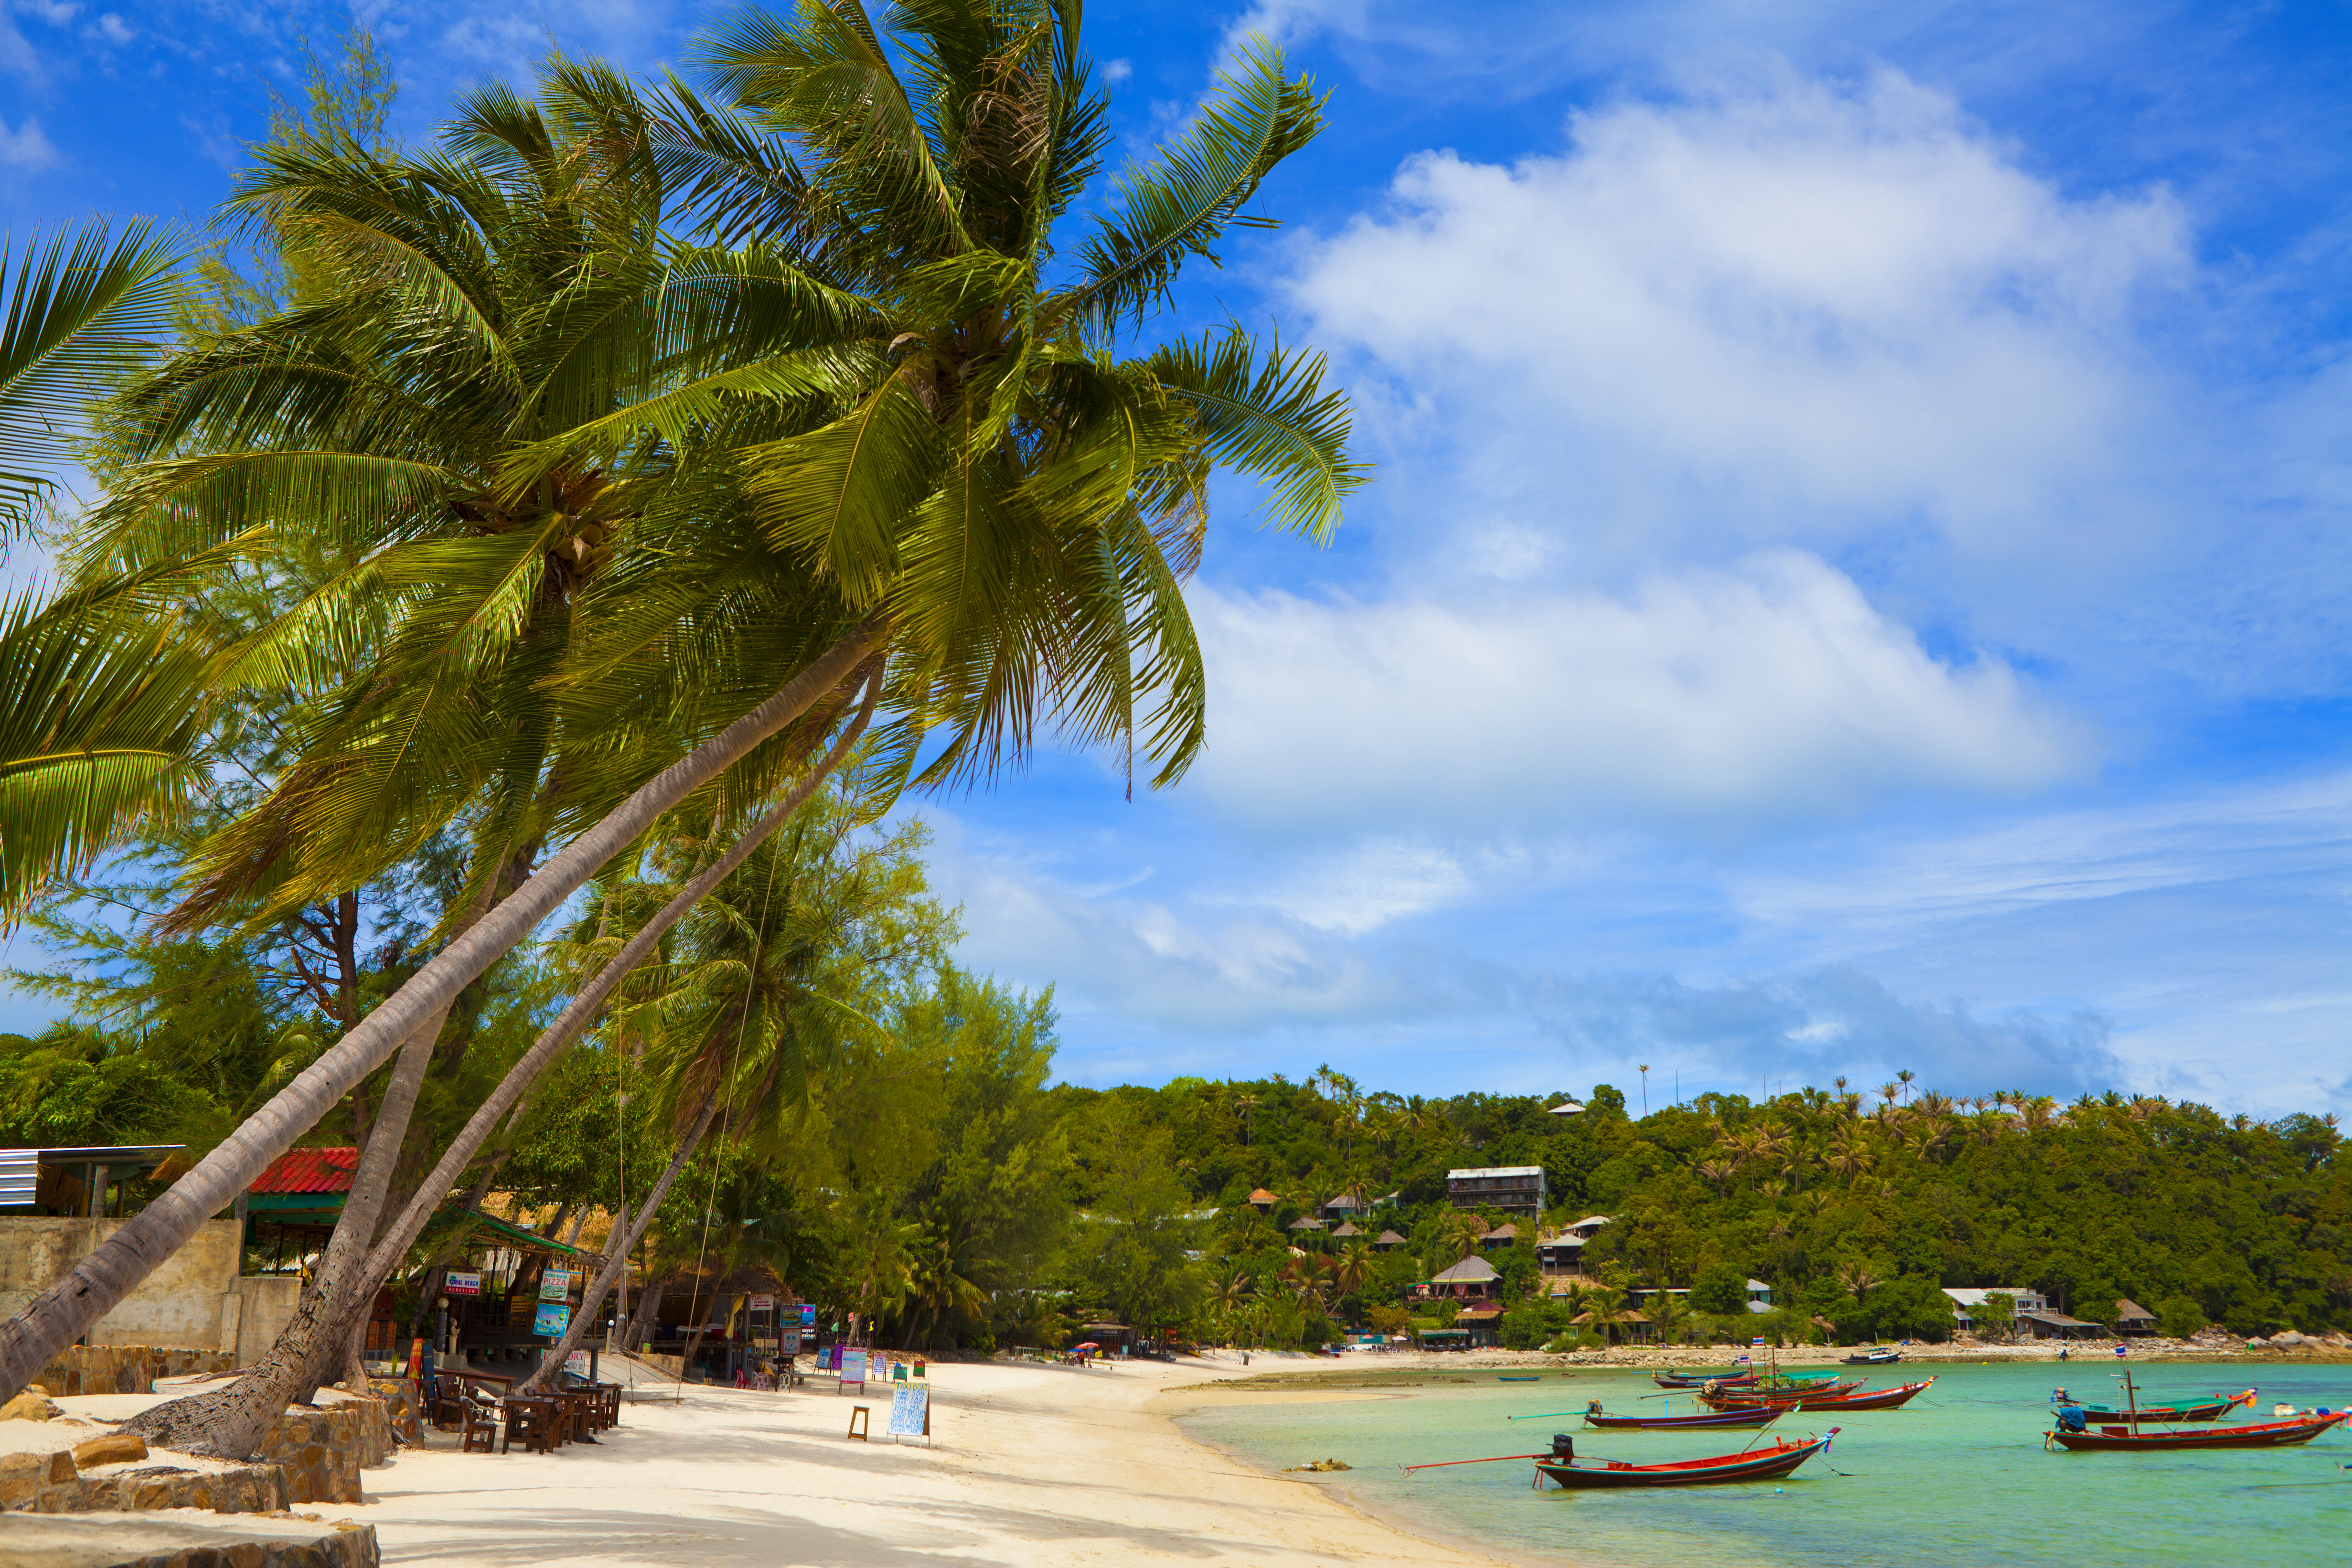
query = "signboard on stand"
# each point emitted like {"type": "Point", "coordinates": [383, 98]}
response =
{"type": "Point", "coordinates": [852, 1371]}
{"type": "Point", "coordinates": [911, 1412]}
{"type": "Point", "coordinates": [789, 1341]}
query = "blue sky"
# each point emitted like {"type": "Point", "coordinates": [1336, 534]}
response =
{"type": "Point", "coordinates": [1857, 577]}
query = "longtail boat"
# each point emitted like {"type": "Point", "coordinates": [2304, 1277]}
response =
{"type": "Point", "coordinates": [1759, 1415]}
{"type": "Point", "coordinates": [1518, 1377]}
{"type": "Point", "coordinates": [1701, 1379]}
{"type": "Point", "coordinates": [1883, 1355]}
{"type": "Point", "coordinates": [2257, 1434]}
{"type": "Point", "coordinates": [2176, 1409]}
{"type": "Point", "coordinates": [1751, 1465]}
{"type": "Point", "coordinates": [1867, 1398]}
{"type": "Point", "coordinates": [1730, 1398]}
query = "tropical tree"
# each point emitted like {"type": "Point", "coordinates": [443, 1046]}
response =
{"type": "Point", "coordinates": [98, 703]}
{"type": "Point", "coordinates": [923, 422]}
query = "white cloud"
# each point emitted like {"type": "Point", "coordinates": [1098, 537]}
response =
{"type": "Point", "coordinates": [25, 149]}
{"type": "Point", "coordinates": [1785, 303]}
{"type": "Point", "coordinates": [56, 13]}
{"type": "Point", "coordinates": [1116, 71]}
{"type": "Point", "coordinates": [1713, 698]}
{"type": "Point", "coordinates": [111, 28]}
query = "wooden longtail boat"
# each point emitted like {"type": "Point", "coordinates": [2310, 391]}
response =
{"type": "Point", "coordinates": [1700, 1380]}
{"type": "Point", "coordinates": [2258, 1435]}
{"type": "Point", "coordinates": [1518, 1377]}
{"type": "Point", "coordinates": [1735, 1398]}
{"type": "Point", "coordinates": [1762, 1416]}
{"type": "Point", "coordinates": [2210, 1410]}
{"type": "Point", "coordinates": [1867, 1398]}
{"type": "Point", "coordinates": [1754, 1465]}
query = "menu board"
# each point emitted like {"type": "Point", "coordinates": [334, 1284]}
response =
{"type": "Point", "coordinates": [910, 1413]}
{"type": "Point", "coordinates": [853, 1368]}
{"type": "Point", "coordinates": [552, 1319]}
{"type": "Point", "coordinates": [555, 1285]}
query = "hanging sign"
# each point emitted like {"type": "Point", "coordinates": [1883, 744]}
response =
{"type": "Point", "coordinates": [808, 1314]}
{"type": "Point", "coordinates": [911, 1412]}
{"type": "Point", "coordinates": [456, 1284]}
{"type": "Point", "coordinates": [552, 1319]}
{"type": "Point", "coordinates": [555, 1285]}
{"type": "Point", "coordinates": [763, 1304]}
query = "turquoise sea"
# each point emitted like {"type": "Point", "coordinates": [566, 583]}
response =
{"type": "Point", "coordinates": [1959, 1476]}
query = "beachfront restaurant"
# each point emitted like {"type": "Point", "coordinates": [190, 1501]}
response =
{"type": "Point", "coordinates": [2057, 1326]}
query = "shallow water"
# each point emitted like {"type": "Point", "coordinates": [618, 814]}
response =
{"type": "Point", "coordinates": [1960, 1475]}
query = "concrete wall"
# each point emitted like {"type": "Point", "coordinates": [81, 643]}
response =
{"type": "Point", "coordinates": [268, 1302]}
{"type": "Point", "coordinates": [193, 1301]}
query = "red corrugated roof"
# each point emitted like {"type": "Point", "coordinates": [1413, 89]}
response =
{"type": "Point", "coordinates": [310, 1170]}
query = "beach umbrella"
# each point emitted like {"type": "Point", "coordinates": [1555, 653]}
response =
{"type": "Point", "coordinates": [1088, 1345]}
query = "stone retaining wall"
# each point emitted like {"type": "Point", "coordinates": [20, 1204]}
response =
{"type": "Point", "coordinates": [125, 1368]}
{"type": "Point", "coordinates": [50, 1483]}
{"type": "Point", "coordinates": [323, 1450]}
{"type": "Point", "coordinates": [119, 1540]}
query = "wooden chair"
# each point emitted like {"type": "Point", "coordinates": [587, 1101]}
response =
{"type": "Point", "coordinates": [445, 1403]}
{"type": "Point", "coordinates": [481, 1416]}
{"type": "Point", "coordinates": [535, 1421]}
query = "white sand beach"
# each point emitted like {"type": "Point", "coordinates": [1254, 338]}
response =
{"type": "Point", "coordinates": [1029, 1464]}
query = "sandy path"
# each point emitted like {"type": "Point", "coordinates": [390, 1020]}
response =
{"type": "Point", "coordinates": [1031, 1465]}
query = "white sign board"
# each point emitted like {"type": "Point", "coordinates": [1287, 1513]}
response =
{"type": "Point", "coordinates": [910, 1413]}
{"type": "Point", "coordinates": [853, 1368]}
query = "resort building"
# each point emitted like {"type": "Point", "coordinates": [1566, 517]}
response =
{"type": "Point", "coordinates": [2131, 1318]}
{"type": "Point", "coordinates": [1473, 1279]}
{"type": "Point", "coordinates": [1968, 1301]}
{"type": "Point", "coordinates": [1516, 1189]}
{"type": "Point", "coordinates": [1264, 1201]}
{"type": "Point", "coordinates": [1346, 1205]}
{"type": "Point", "coordinates": [1482, 1325]}
{"type": "Point", "coordinates": [1562, 1253]}
{"type": "Point", "coordinates": [1387, 1241]}
{"type": "Point", "coordinates": [1501, 1236]}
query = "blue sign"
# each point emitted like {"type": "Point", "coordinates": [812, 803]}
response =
{"type": "Point", "coordinates": [552, 1320]}
{"type": "Point", "coordinates": [808, 1314]}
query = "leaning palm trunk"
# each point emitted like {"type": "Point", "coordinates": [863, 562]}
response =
{"type": "Point", "coordinates": [617, 1258]}
{"type": "Point", "coordinates": [590, 1000]}
{"type": "Point", "coordinates": [64, 1312]}
{"type": "Point", "coordinates": [220, 1420]}
{"type": "Point", "coordinates": [233, 1421]}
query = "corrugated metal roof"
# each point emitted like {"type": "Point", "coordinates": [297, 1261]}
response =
{"type": "Point", "coordinates": [20, 1173]}
{"type": "Point", "coordinates": [1468, 1171]}
{"type": "Point", "coordinates": [310, 1170]}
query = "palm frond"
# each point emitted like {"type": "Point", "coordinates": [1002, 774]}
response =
{"type": "Point", "coordinates": [79, 305]}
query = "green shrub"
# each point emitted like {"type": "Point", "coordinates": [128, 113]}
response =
{"type": "Point", "coordinates": [2179, 1316]}
{"type": "Point", "coordinates": [1524, 1327]}
{"type": "Point", "coordinates": [1721, 1290]}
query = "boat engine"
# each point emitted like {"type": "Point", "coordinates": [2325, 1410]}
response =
{"type": "Point", "coordinates": [1563, 1447]}
{"type": "Point", "coordinates": [2072, 1419]}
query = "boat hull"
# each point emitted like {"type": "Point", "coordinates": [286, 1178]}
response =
{"type": "Point", "coordinates": [1768, 1465]}
{"type": "Point", "coordinates": [1703, 1421]}
{"type": "Point", "coordinates": [1672, 1380]}
{"type": "Point", "coordinates": [2203, 1410]}
{"type": "Point", "coordinates": [2261, 1435]}
{"type": "Point", "coordinates": [1788, 1398]}
{"type": "Point", "coordinates": [1868, 1400]}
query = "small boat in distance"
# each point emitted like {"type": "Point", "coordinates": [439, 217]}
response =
{"type": "Point", "coordinates": [1566, 1469]}
{"type": "Point", "coordinates": [1518, 1377]}
{"type": "Point", "coordinates": [1701, 1420]}
{"type": "Point", "coordinates": [1878, 1356]}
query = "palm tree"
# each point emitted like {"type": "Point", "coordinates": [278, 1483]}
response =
{"type": "Point", "coordinates": [991, 498]}
{"type": "Point", "coordinates": [98, 705]}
